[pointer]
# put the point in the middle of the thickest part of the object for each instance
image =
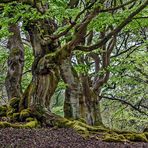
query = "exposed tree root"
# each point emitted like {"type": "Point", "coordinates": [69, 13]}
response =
{"type": "Point", "coordinates": [10, 116]}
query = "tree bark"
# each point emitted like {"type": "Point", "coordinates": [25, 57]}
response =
{"type": "Point", "coordinates": [15, 63]}
{"type": "Point", "coordinates": [45, 70]}
{"type": "Point", "coordinates": [73, 92]}
{"type": "Point", "coordinates": [91, 103]}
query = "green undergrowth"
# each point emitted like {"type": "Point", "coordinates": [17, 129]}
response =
{"type": "Point", "coordinates": [10, 116]}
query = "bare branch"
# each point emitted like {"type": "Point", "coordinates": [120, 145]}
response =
{"type": "Point", "coordinates": [125, 102]}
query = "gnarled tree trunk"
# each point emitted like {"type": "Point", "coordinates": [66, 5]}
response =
{"type": "Point", "coordinates": [45, 70]}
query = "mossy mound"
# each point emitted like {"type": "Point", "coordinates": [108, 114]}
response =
{"type": "Point", "coordinates": [30, 124]}
{"type": "Point", "coordinates": [84, 129]}
{"type": "Point", "coordinates": [4, 124]}
{"type": "Point", "coordinates": [114, 138]}
{"type": "Point", "coordinates": [136, 137]}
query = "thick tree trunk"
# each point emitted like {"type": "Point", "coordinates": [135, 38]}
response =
{"type": "Point", "coordinates": [73, 91]}
{"type": "Point", "coordinates": [41, 89]}
{"type": "Point", "coordinates": [15, 63]}
{"type": "Point", "coordinates": [45, 72]}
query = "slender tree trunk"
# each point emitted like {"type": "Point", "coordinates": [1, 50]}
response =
{"type": "Point", "coordinates": [15, 63]}
{"type": "Point", "coordinates": [73, 92]}
{"type": "Point", "coordinates": [91, 103]}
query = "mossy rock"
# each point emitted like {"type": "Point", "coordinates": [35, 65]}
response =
{"type": "Point", "coordinates": [136, 137]}
{"type": "Point", "coordinates": [114, 138]}
{"type": "Point", "coordinates": [25, 113]}
{"type": "Point", "coordinates": [3, 111]}
{"type": "Point", "coordinates": [14, 103]}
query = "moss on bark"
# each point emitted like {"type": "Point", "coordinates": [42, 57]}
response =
{"type": "Point", "coordinates": [38, 116]}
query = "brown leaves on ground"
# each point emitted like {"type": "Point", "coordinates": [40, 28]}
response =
{"type": "Point", "coordinates": [55, 138]}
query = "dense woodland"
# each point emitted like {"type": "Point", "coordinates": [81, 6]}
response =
{"type": "Point", "coordinates": [74, 63]}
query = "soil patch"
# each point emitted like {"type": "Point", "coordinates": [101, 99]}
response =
{"type": "Point", "coordinates": [55, 138]}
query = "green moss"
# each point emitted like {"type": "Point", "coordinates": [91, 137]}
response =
{"type": "Point", "coordinates": [14, 103]}
{"type": "Point", "coordinates": [25, 113]}
{"type": "Point", "coordinates": [136, 137]}
{"type": "Point", "coordinates": [29, 119]}
{"type": "Point", "coordinates": [114, 138]}
{"type": "Point", "coordinates": [82, 120]}
{"type": "Point", "coordinates": [31, 124]}
{"type": "Point", "coordinates": [5, 124]}
{"type": "Point", "coordinates": [16, 116]}
{"type": "Point", "coordinates": [16, 125]}
{"type": "Point", "coordinates": [3, 110]}
{"type": "Point", "coordinates": [10, 112]}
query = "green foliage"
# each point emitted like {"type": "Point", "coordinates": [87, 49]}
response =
{"type": "Point", "coordinates": [129, 75]}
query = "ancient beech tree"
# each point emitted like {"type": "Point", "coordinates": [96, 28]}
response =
{"type": "Point", "coordinates": [53, 51]}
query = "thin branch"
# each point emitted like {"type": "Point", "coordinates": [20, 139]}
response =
{"type": "Point", "coordinates": [125, 102]}
{"type": "Point", "coordinates": [136, 47]}
{"type": "Point", "coordinates": [73, 23]}
{"type": "Point", "coordinates": [118, 7]}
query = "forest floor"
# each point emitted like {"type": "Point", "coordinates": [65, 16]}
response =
{"type": "Point", "coordinates": [55, 138]}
